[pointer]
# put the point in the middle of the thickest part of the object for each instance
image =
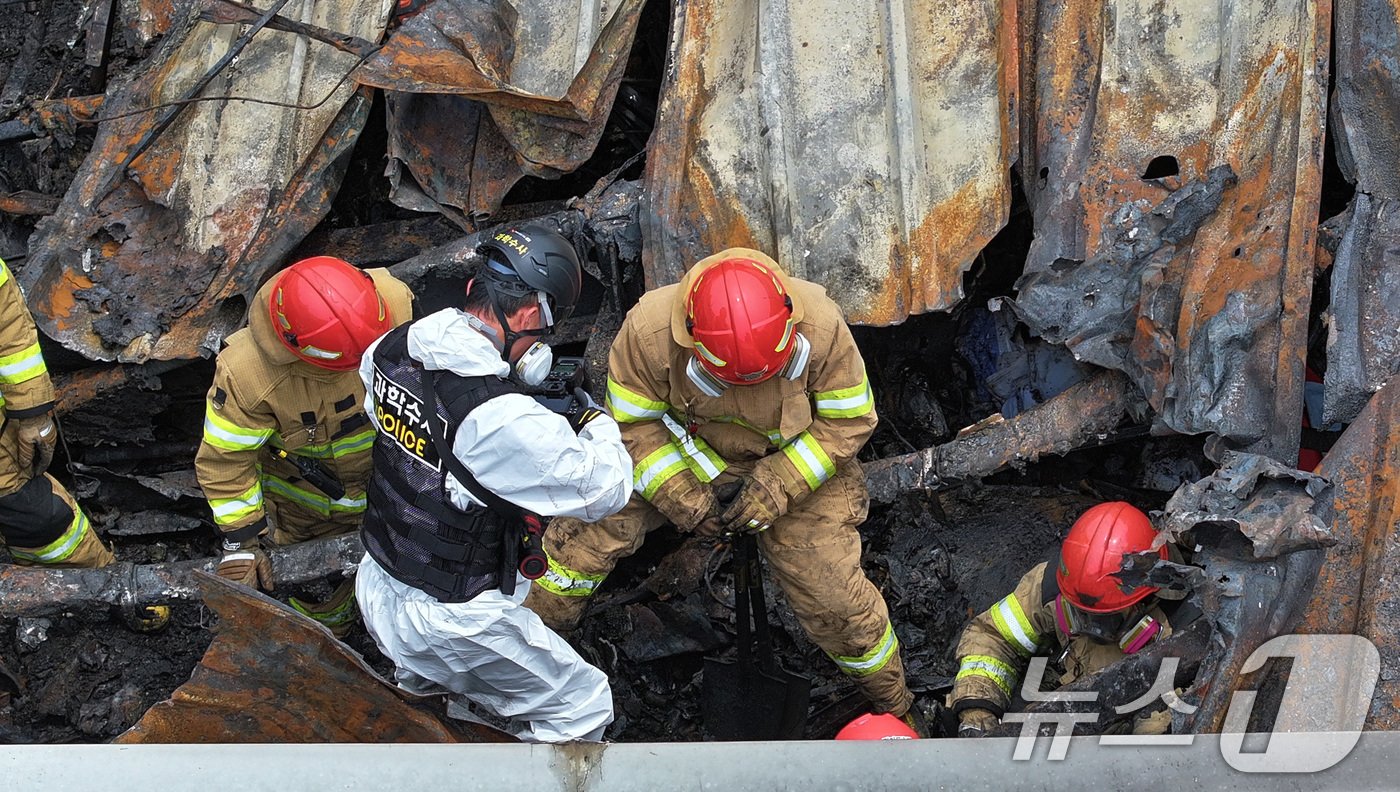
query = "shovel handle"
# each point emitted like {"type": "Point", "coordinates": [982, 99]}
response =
{"type": "Point", "coordinates": [758, 604]}
{"type": "Point", "coordinates": [741, 600]}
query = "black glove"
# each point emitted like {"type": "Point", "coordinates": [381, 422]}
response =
{"type": "Point", "coordinates": [587, 410]}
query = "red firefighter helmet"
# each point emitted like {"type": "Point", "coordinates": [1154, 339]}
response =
{"type": "Point", "coordinates": [1092, 555]}
{"type": "Point", "coordinates": [877, 727]}
{"type": "Point", "coordinates": [740, 316]}
{"type": "Point", "coordinates": [327, 312]}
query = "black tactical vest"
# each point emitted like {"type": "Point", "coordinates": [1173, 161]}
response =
{"type": "Point", "coordinates": [410, 525]}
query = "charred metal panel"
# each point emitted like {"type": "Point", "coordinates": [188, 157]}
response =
{"type": "Point", "coordinates": [1363, 346]}
{"type": "Point", "coordinates": [158, 262]}
{"type": "Point", "coordinates": [1357, 591]}
{"type": "Point", "coordinates": [1257, 527]}
{"type": "Point", "coordinates": [483, 93]}
{"type": "Point", "coordinates": [272, 675]}
{"type": "Point", "coordinates": [1174, 172]}
{"type": "Point", "coordinates": [865, 145]}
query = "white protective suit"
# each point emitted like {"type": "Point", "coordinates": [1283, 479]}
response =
{"type": "Point", "coordinates": [492, 650]}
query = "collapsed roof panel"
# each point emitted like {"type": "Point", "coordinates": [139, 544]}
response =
{"type": "Point", "coordinates": [867, 146]}
{"type": "Point", "coordinates": [271, 675]}
{"type": "Point", "coordinates": [1357, 592]}
{"type": "Point", "coordinates": [483, 93]}
{"type": "Point", "coordinates": [1364, 346]}
{"type": "Point", "coordinates": [1174, 173]}
{"type": "Point", "coordinates": [155, 258]}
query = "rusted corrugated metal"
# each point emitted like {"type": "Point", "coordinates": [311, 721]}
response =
{"type": "Point", "coordinates": [1357, 591]}
{"type": "Point", "coordinates": [865, 145]}
{"type": "Point", "coordinates": [272, 675]}
{"type": "Point", "coordinates": [158, 262]}
{"type": "Point", "coordinates": [145, 19]}
{"type": "Point", "coordinates": [1363, 347]}
{"type": "Point", "coordinates": [483, 93]}
{"type": "Point", "coordinates": [1197, 283]}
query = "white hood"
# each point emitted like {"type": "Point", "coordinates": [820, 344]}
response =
{"type": "Point", "coordinates": [447, 341]}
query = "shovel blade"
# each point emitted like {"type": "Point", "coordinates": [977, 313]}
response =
{"type": "Point", "coordinates": [742, 702]}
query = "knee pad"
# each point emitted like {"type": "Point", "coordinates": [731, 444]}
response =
{"type": "Point", "coordinates": [34, 515]}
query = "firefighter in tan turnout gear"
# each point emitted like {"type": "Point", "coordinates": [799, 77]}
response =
{"type": "Point", "coordinates": [1072, 607]}
{"type": "Point", "coordinates": [740, 378]}
{"type": "Point", "coordinates": [40, 522]}
{"type": "Point", "coordinates": [286, 410]}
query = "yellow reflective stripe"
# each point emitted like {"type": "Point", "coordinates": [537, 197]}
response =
{"type": "Point", "coordinates": [4, 272]}
{"type": "Point", "coordinates": [1014, 627]}
{"type": "Point", "coordinates": [565, 582]}
{"type": "Point", "coordinates": [314, 500]}
{"type": "Point", "coordinates": [873, 660]}
{"type": "Point", "coordinates": [851, 402]}
{"type": "Point", "coordinates": [231, 510]}
{"type": "Point", "coordinates": [2, 400]}
{"type": "Point", "coordinates": [222, 433]}
{"type": "Point", "coordinates": [344, 613]}
{"type": "Point", "coordinates": [699, 457]}
{"type": "Point", "coordinates": [353, 444]}
{"type": "Point", "coordinates": [345, 446]}
{"type": "Point", "coordinates": [986, 666]}
{"type": "Point", "coordinates": [60, 549]}
{"type": "Point", "coordinates": [629, 407]}
{"type": "Point", "coordinates": [656, 469]}
{"type": "Point", "coordinates": [23, 365]}
{"type": "Point", "coordinates": [810, 460]}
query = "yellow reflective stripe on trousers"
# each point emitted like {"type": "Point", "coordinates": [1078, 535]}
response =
{"type": "Point", "coordinates": [629, 407]}
{"type": "Point", "coordinates": [4, 272]}
{"type": "Point", "coordinates": [1014, 627]}
{"type": "Point", "coordinates": [230, 510]}
{"type": "Point", "coordinates": [344, 613]}
{"type": "Point", "coordinates": [565, 582]}
{"type": "Point", "coordinates": [223, 433]}
{"type": "Point", "coordinates": [702, 460]}
{"type": "Point", "coordinates": [656, 469]}
{"type": "Point", "coordinates": [873, 660]}
{"type": "Point", "coordinates": [989, 667]}
{"type": "Point", "coordinates": [851, 402]}
{"type": "Point", "coordinates": [22, 366]}
{"type": "Point", "coordinates": [810, 460]}
{"type": "Point", "coordinates": [313, 500]}
{"type": "Point", "coordinates": [60, 549]}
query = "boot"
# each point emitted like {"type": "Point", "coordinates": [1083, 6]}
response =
{"type": "Point", "coordinates": [338, 613]}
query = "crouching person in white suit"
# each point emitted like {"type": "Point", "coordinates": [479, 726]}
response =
{"type": "Point", "coordinates": [464, 464]}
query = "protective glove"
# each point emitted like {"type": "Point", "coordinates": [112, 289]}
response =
{"type": "Point", "coordinates": [588, 410]}
{"type": "Point", "coordinates": [976, 722]}
{"type": "Point", "coordinates": [712, 527]}
{"type": "Point", "coordinates": [37, 438]}
{"type": "Point", "coordinates": [686, 503]}
{"type": "Point", "coordinates": [246, 563]}
{"type": "Point", "coordinates": [754, 509]}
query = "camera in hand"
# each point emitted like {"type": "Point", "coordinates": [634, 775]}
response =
{"type": "Point", "coordinates": [556, 393]}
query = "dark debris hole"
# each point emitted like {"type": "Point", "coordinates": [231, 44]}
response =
{"type": "Point", "coordinates": [1161, 167]}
